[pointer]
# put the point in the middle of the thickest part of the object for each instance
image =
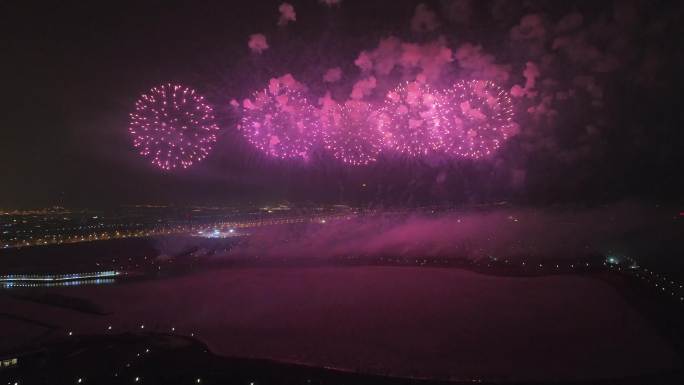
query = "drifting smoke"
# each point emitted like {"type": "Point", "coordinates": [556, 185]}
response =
{"type": "Point", "coordinates": [288, 81]}
{"type": "Point", "coordinates": [518, 234]}
{"type": "Point", "coordinates": [480, 65]}
{"type": "Point", "coordinates": [569, 23]}
{"type": "Point", "coordinates": [332, 75]}
{"type": "Point", "coordinates": [531, 27]}
{"type": "Point", "coordinates": [424, 19]}
{"type": "Point", "coordinates": [531, 73]}
{"type": "Point", "coordinates": [363, 88]}
{"type": "Point", "coordinates": [427, 60]}
{"type": "Point", "coordinates": [457, 11]}
{"type": "Point", "coordinates": [287, 14]}
{"type": "Point", "coordinates": [257, 43]}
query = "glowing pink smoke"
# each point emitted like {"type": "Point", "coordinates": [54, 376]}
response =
{"type": "Point", "coordinates": [257, 43]}
{"type": "Point", "coordinates": [280, 122]}
{"type": "Point", "coordinates": [409, 120]}
{"type": "Point", "coordinates": [350, 132]}
{"type": "Point", "coordinates": [287, 14]}
{"type": "Point", "coordinates": [172, 126]}
{"type": "Point", "coordinates": [478, 116]}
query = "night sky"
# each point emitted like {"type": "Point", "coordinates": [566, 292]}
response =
{"type": "Point", "coordinates": [599, 107]}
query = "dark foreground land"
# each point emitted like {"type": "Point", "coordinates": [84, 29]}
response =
{"type": "Point", "coordinates": [411, 322]}
{"type": "Point", "coordinates": [220, 311]}
{"type": "Point", "coordinates": [170, 359]}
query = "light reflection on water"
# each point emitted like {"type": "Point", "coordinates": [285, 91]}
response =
{"type": "Point", "coordinates": [96, 281]}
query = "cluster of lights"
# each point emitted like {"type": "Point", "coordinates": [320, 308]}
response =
{"type": "Point", "coordinates": [48, 280]}
{"type": "Point", "coordinates": [662, 284]}
{"type": "Point", "coordinates": [217, 233]}
{"type": "Point", "coordinates": [173, 127]}
{"type": "Point", "coordinates": [226, 229]}
{"type": "Point", "coordinates": [97, 281]}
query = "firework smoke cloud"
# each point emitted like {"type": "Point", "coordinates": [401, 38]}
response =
{"type": "Point", "coordinates": [280, 121]}
{"type": "Point", "coordinates": [287, 14]}
{"type": "Point", "coordinates": [350, 132]}
{"type": "Point", "coordinates": [257, 43]}
{"type": "Point", "coordinates": [409, 120]}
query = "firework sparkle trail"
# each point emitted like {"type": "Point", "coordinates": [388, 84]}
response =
{"type": "Point", "coordinates": [173, 127]}
{"type": "Point", "coordinates": [478, 115]}
{"type": "Point", "coordinates": [409, 120]}
{"type": "Point", "coordinates": [280, 122]}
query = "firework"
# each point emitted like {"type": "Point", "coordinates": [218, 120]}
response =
{"type": "Point", "coordinates": [280, 122]}
{"type": "Point", "coordinates": [172, 126]}
{"type": "Point", "coordinates": [409, 120]}
{"type": "Point", "coordinates": [477, 115]}
{"type": "Point", "coordinates": [350, 132]}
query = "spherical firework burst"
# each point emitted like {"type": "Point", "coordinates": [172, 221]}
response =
{"type": "Point", "coordinates": [409, 120]}
{"type": "Point", "coordinates": [280, 122]}
{"type": "Point", "coordinates": [350, 132]}
{"type": "Point", "coordinates": [478, 115]}
{"type": "Point", "coordinates": [172, 126]}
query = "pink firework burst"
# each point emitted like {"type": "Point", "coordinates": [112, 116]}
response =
{"type": "Point", "coordinates": [350, 132]}
{"type": "Point", "coordinates": [478, 115]}
{"type": "Point", "coordinates": [409, 120]}
{"type": "Point", "coordinates": [172, 126]}
{"type": "Point", "coordinates": [280, 122]}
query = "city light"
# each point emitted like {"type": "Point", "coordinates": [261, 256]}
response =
{"type": "Point", "coordinates": [57, 278]}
